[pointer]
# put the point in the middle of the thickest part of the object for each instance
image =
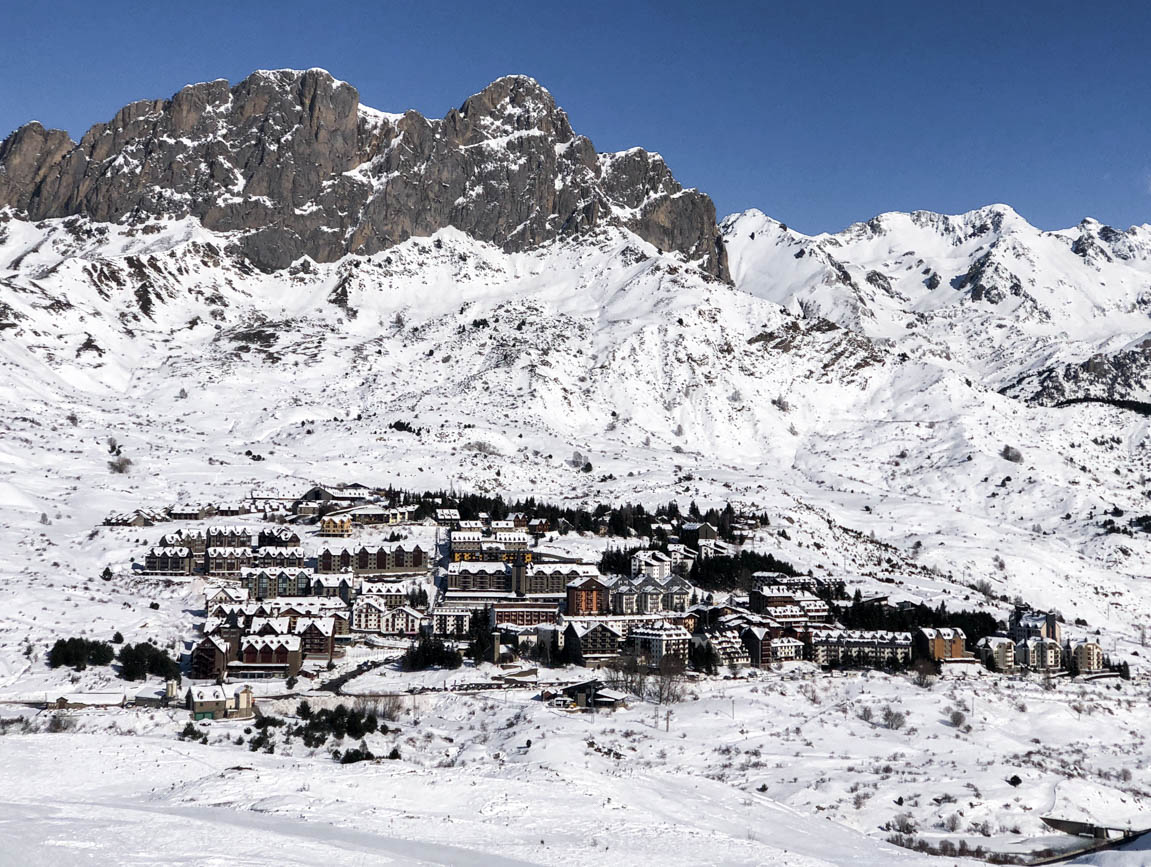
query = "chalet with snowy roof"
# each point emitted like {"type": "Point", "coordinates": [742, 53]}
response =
{"type": "Point", "coordinates": [278, 558]}
{"type": "Point", "coordinates": [860, 647]}
{"type": "Point", "coordinates": [210, 657]}
{"type": "Point", "coordinates": [997, 652]}
{"type": "Point", "coordinates": [450, 621]}
{"type": "Point", "coordinates": [335, 525]}
{"type": "Point", "coordinates": [651, 564]}
{"type": "Point", "coordinates": [641, 595]}
{"type": "Point", "coordinates": [261, 583]}
{"type": "Point", "coordinates": [726, 645]}
{"type": "Point", "coordinates": [659, 641]}
{"type": "Point", "coordinates": [384, 559]}
{"type": "Point", "coordinates": [941, 644]}
{"type": "Point", "coordinates": [190, 511]}
{"type": "Point", "coordinates": [319, 494]}
{"type": "Point", "coordinates": [692, 533]}
{"type": "Point", "coordinates": [369, 615]}
{"type": "Point", "coordinates": [471, 575]}
{"type": "Point", "coordinates": [502, 526]}
{"type": "Point", "coordinates": [814, 608]}
{"type": "Point", "coordinates": [277, 537]}
{"type": "Point", "coordinates": [232, 509]}
{"type": "Point", "coordinates": [552, 579]}
{"type": "Point", "coordinates": [227, 562]}
{"type": "Point", "coordinates": [263, 656]}
{"type": "Point", "coordinates": [512, 540]}
{"type": "Point", "coordinates": [229, 537]}
{"type": "Point", "coordinates": [170, 560]}
{"type": "Point", "coordinates": [1039, 654]}
{"type": "Point", "coordinates": [588, 596]}
{"type": "Point", "coordinates": [790, 582]}
{"type": "Point", "coordinates": [625, 624]}
{"type": "Point", "coordinates": [220, 702]}
{"type": "Point", "coordinates": [317, 637]}
{"type": "Point", "coordinates": [465, 544]}
{"type": "Point", "coordinates": [194, 540]}
{"type": "Point", "coordinates": [1025, 624]}
{"type": "Point", "coordinates": [538, 526]}
{"type": "Point", "coordinates": [593, 643]}
{"type": "Point", "coordinates": [226, 596]}
{"type": "Point", "coordinates": [372, 515]}
{"type": "Point", "coordinates": [341, 586]}
{"type": "Point", "coordinates": [448, 517]}
{"type": "Point", "coordinates": [715, 548]}
{"type": "Point", "coordinates": [135, 518]}
{"type": "Point", "coordinates": [392, 594]}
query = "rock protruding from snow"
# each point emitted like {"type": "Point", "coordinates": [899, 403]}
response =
{"type": "Point", "coordinates": [291, 162]}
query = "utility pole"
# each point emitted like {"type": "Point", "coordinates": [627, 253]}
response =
{"type": "Point", "coordinates": [667, 721]}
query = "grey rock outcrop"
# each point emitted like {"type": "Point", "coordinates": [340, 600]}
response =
{"type": "Point", "coordinates": [294, 165]}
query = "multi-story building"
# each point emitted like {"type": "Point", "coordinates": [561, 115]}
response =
{"type": "Point", "coordinates": [1085, 655]}
{"type": "Point", "coordinates": [1039, 653]}
{"type": "Point", "coordinates": [997, 652]}
{"type": "Point", "coordinates": [587, 596]}
{"type": "Point", "coordinates": [860, 647]}
{"type": "Point", "coordinates": [1026, 624]}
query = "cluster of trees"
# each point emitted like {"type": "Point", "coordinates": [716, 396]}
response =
{"type": "Point", "coordinates": [878, 615]}
{"type": "Point", "coordinates": [734, 573]}
{"type": "Point", "coordinates": [338, 722]}
{"type": "Point", "coordinates": [79, 653]}
{"type": "Point", "coordinates": [626, 520]}
{"type": "Point", "coordinates": [431, 652]}
{"type": "Point", "coordinates": [139, 660]}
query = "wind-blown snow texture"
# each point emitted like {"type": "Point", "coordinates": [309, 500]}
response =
{"type": "Point", "coordinates": [858, 387]}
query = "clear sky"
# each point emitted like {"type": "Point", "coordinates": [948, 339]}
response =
{"type": "Point", "coordinates": [819, 114]}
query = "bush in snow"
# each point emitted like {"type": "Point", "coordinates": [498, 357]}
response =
{"type": "Point", "coordinates": [119, 465]}
{"type": "Point", "coordinates": [1012, 454]}
{"type": "Point", "coordinates": [893, 719]}
{"type": "Point", "coordinates": [958, 718]}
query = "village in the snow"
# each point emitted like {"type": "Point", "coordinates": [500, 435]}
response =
{"type": "Point", "coordinates": [334, 624]}
{"type": "Point", "coordinates": [289, 586]}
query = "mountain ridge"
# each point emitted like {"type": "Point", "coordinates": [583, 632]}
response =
{"type": "Point", "coordinates": [288, 159]}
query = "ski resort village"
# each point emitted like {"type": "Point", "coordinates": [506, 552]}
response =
{"type": "Point", "coordinates": [419, 633]}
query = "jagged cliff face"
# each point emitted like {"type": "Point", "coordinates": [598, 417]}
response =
{"type": "Point", "coordinates": [292, 163]}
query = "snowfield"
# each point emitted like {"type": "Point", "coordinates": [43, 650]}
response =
{"type": "Point", "coordinates": [865, 414]}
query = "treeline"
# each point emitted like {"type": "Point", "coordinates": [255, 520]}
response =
{"type": "Point", "coordinates": [878, 615]}
{"type": "Point", "coordinates": [625, 520]}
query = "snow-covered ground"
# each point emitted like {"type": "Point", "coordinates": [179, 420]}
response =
{"type": "Point", "coordinates": [775, 767]}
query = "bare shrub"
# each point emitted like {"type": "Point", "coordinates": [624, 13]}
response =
{"type": "Point", "coordinates": [120, 465]}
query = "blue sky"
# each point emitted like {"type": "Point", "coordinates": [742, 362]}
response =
{"type": "Point", "coordinates": [820, 114]}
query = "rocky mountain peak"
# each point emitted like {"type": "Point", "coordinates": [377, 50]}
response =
{"type": "Point", "coordinates": [291, 163]}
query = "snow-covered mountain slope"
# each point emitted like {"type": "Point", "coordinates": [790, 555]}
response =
{"type": "Point", "coordinates": [878, 452]}
{"type": "Point", "coordinates": [984, 291]}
